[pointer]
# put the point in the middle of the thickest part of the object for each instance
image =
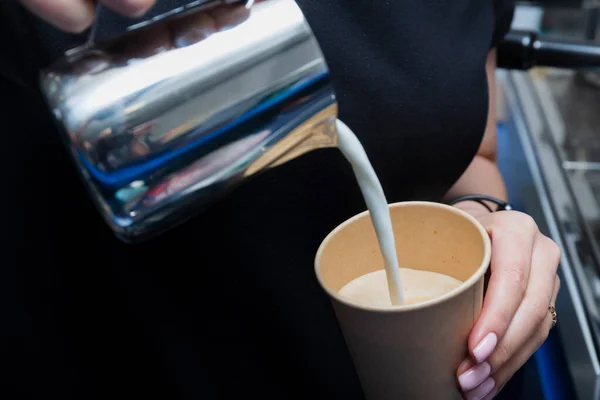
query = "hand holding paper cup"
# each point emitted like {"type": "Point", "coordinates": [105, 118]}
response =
{"type": "Point", "coordinates": [409, 351]}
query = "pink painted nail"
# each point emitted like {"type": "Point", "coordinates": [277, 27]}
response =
{"type": "Point", "coordinates": [464, 364]}
{"type": "Point", "coordinates": [491, 395]}
{"type": "Point", "coordinates": [482, 390]}
{"type": "Point", "coordinates": [471, 378]}
{"type": "Point", "coordinates": [483, 350]}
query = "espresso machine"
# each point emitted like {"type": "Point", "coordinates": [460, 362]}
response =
{"type": "Point", "coordinates": [163, 115]}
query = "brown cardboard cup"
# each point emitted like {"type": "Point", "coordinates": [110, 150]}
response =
{"type": "Point", "coordinates": [411, 351]}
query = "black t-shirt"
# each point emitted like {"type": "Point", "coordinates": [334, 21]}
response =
{"type": "Point", "coordinates": [227, 305]}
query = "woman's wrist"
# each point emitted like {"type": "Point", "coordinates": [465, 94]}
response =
{"type": "Point", "coordinates": [480, 205]}
{"type": "Point", "coordinates": [472, 208]}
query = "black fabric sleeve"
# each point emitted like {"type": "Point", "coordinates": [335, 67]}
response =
{"type": "Point", "coordinates": [504, 10]}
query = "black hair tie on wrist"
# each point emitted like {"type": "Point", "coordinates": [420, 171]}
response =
{"type": "Point", "coordinates": [481, 199]}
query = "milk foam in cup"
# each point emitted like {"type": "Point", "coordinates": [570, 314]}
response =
{"type": "Point", "coordinates": [417, 286]}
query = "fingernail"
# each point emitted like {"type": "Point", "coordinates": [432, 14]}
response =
{"type": "Point", "coordinates": [483, 350]}
{"type": "Point", "coordinates": [229, 17]}
{"type": "Point", "coordinates": [465, 365]}
{"type": "Point", "coordinates": [133, 8]}
{"type": "Point", "coordinates": [474, 376]}
{"type": "Point", "coordinates": [193, 36]}
{"type": "Point", "coordinates": [482, 390]}
{"type": "Point", "coordinates": [491, 395]}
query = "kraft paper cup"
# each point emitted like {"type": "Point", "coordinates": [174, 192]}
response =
{"type": "Point", "coordinates": [411, 351]}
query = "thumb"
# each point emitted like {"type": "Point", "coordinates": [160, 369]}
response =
{"type": "Point", "coordinates": [73, 16]}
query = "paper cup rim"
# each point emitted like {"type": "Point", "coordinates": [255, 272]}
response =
{"type": "Point", "coordinates": [466, 285]}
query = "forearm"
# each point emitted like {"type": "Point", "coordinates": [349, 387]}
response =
{"type": "Point", "coordinates": [483, 176]}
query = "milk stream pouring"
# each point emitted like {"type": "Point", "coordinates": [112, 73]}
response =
{"type": "Point", "coordinates": [376, 203]}
{"type": "Point", "coordinates": [160, 129]}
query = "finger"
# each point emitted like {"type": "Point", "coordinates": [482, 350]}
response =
{"type": "Point", "coordinates": [193, 28]}
{"type": "Point", "coordinates": [503, 375]}
{"type": "Point", "coordinates": [473, 374]}
{"type": "Point", "coordinates": [481, 391]}
{"type": "Point", "coordinates": [147, 42]}
{"type": "Point", "coordinates": [73, 16]}
{"type": "Point", "coordinates": [532, 316]}
{"type": "Point", "coordinates": [512, 239]}
{"type": "Point", "coordinates": [227, 17]}
{"type": "Point", "coordinates": [132, 8]}
{"type": "Point", "coordinates": [465, 366]}
{"type": "Point", "coordinates": [528, 320]}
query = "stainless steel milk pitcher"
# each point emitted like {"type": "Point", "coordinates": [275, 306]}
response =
{"type": "Point", "coordinates": [173, 114]}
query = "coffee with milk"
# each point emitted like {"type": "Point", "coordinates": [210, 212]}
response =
{"type": "Point", "coordinates": [392, 285]}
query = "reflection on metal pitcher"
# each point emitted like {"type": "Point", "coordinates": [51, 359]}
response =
{"type": "Point", "coordinates": [171, 115]}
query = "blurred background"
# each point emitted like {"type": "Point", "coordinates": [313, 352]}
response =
{"type": "Point", "coordinates": [549, 134]}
